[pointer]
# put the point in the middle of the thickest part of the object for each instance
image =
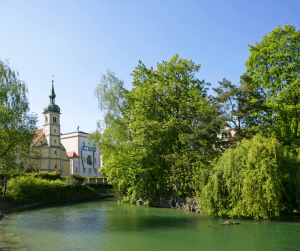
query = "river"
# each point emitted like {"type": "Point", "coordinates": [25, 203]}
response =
{"type": "Point", "coordinates": [109, 225]}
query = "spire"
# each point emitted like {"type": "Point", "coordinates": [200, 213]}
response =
{"type": "Point", "coordinates": [52, 93]}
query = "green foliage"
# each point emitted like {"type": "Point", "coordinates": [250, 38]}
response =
{"type": "Point", "coordinates": [158, 135]}
{"type": "Point", "coordinates": [274, 66]}
{"type": "Point", "coordinates": [236, 107]}
{"type": "Point", "coordinates": [71, 181]}
{"type": "Point", "coordinates": [93, 178]}
{"type": "Point", "coordinates": [102, 188]}
{"type": "Point", "coordinates": [48, 176]}
{"type": "Point", "coordinates": [78, 178]}
{"type": "Point", "coordinates": [255, 179]}
{"type": "Point", "coordinates": [26, 189]}
{"type": "Point", "coordinates": [16, 123]}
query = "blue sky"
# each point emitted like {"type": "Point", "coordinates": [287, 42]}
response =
{"type": "Point", "coordinates": [77, 41]}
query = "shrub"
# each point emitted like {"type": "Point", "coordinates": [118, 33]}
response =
{"type": "Point", "coordinates": [78, 178]}
{"type": "Point", "coordinates": [48, 176]}
{"type": "Point", "coordinates": [26, 189]}
{"type": "Point", "coordinates": [93, 178]}
{"type": "Point", "coordinates": [255, 179]}
{"type": "Point", "coordinates": [71, 181]}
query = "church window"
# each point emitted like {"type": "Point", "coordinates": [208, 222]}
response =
{"type": "Point", "coordinates": [46, 119]}
{"type": "Point", "coordinates": [55, 152]}
{"type": "Point", "coordinates": [54, 130]}
{"type": "Point", "coordinates": [54, 119]}
{"type": "Point", "coordinates": [55, 141]}
{"type": "Point", "coordinates": [41, 141]}
{"type": "Point", "coordinates": [55, 166]}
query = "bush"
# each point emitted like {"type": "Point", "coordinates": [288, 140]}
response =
{"type": "Point", "coordinates": [71, 181]}
{"type": "Point", "coordinates": [48, 176]}
{"type": "Point", "coordinates": [78, 178]}
{"type": "Point", "coordinates": [93, 178]}
{"type": "Point", "coordinates": [255, 179]}
{"type": "Point", "coordinates": [26, 189]}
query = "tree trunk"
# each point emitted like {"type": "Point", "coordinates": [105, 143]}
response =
{"type": "Point", "coordinates": [4, 188]}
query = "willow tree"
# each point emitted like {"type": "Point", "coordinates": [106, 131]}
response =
{"type": "Point", "coordinates": [254, 179]}
{"type": "Point", "coordinates": [274, 65]}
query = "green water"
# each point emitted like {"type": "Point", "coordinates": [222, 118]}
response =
{"type": "Point", "coordinates": [107, 225]}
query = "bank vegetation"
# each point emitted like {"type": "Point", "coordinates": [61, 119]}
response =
{"type": "Point", "coordinates": [236, 152]}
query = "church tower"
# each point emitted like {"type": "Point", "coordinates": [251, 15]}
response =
{"type": "Point", "coordinates": [53, 154]}
{"type": "Point", "coordinates": [51, 128]}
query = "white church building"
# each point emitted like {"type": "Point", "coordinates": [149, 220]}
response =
{"type": "Point", "coordinates": [85, 158]}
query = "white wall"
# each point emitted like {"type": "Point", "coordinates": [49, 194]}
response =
{"type": "Point", "coordinates": [89, 158]}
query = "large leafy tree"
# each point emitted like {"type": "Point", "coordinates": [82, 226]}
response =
{"type": "Point", "coordinates": [274, 66]}
{"type": "Point", "coordinates": [238, 104]}
{"type": "Point", "coordinates": [169, 131]}
{"type": "Point", "coordinates": [16, 123]}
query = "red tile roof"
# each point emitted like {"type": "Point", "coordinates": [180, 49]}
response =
{"type": "Point", "coordinates": [72, 155]}
{"type": "Point", "coordinates": [39, 134]}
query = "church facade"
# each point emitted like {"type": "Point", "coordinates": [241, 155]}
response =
{"type": "Point", "coordinates": [67, 154]}
{"type": "Point", "coordinates": [53, 154]}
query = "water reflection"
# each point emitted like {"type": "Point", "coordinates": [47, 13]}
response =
{"type": "Point", "coordinates": [107, 225]}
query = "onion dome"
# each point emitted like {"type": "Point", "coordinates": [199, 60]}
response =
{"type": "Point", "coordinates": [52, 108]}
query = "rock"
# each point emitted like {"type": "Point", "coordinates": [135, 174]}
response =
{"type": "Point", "coordinates": [139, 202]}
{"type": "Point", "coordinates": [230, 223]}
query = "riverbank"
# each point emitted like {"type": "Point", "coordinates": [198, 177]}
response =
{"type": "Point", "coordinates": [191, 204]}
{"type": "Point", "coordinates": [74, 194]}
{"type": "Point", "coordinates": [188, 204]}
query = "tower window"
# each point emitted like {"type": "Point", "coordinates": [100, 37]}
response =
{"type": "Point", "coordinates": [54, 130]}
{"type": "Point", "coordinates": [46, 119]}
{"type": "Point", "coordinates": [55, 152]}
{"type": "Point", "coordinates": [55, 141]}
{"type": "Point", "coordinates": [54, 119]}
{"type": "Point", "coordinates": [55, 166]}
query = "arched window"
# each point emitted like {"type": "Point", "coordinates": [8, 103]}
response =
{"type": "Point", "coordinates": [46, 119]}
{"type": "Point", "coordinates": [54, 119]}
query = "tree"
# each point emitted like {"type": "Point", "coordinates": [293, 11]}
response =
{"type": "Point", "coordinates": [254, 179]}
{"type": "Point", "coordinates": [274, 66]}
{"type": "Point", "coordinates": [169, 131]}
{"type": "Point", "coordinates": [238, 103]}
{"type": "Point", "coordinates": [112, 134]}
{"type": "Point", "coordinates": [16, 123]}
